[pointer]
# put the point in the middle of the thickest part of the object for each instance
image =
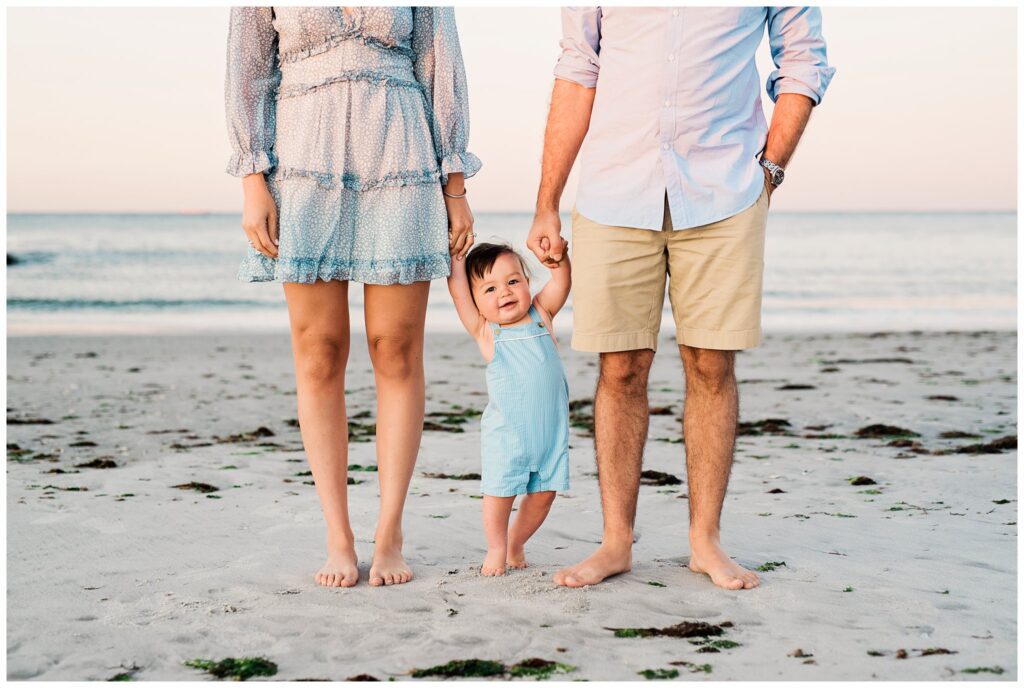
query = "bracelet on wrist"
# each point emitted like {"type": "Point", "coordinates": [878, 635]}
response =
{"type": "Point", "coordinates": [462, 195]}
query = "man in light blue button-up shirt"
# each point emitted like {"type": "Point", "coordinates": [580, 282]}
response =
{"type": "Point", "coordinates": [676, 169]}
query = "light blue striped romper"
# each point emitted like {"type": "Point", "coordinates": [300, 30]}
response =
{"type": "Point", "coordinates": [524, 430]}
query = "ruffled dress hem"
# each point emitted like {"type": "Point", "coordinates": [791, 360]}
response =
{"type": "Point", "coordinates": [256, 267]}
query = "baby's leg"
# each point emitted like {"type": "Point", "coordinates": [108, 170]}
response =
{"type": "Point", "coordinates": [496, 511]}
{"type": "Point", "coordinates": [532, 512]}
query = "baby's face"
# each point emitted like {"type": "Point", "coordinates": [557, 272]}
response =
{"type": "Point", "coordinates": [503, 294]}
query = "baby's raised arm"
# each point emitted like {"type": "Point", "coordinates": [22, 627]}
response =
{"type": "Point", "coordinates": [458, 287]}
{"type": "Point", "coordinates": [554, 294]}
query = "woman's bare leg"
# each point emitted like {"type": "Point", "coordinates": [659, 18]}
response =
{"type": "Point", "coordinates": [395, 317]}
{"type": "Point", "coordinates": [318, 313]}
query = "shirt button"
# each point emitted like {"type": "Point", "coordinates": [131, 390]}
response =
{"type": "Point", "coordinates": [671, 57]}
{"type": "Point", "coordinates": [665, 146]}
{"type": "Point", "coordinates": [675, 13]}
{"type": "Point", "coordinates": [668, 103]}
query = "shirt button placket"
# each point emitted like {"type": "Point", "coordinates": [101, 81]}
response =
{"type": "Point", "coordinates": [668, 119]}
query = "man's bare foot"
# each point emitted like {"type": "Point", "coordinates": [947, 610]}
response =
{"type": "Point", "coordinates": [607, 561]}
{"type": "Point", "coordinates": [339, 570]}
{"type": "Point", "coordinates": [515, 559]}
{"type": "Point", "coordinates": [707, 556]}
{"type": "Point", "coordinates": [389, 567]}
{"type": "Point", "coordinates": [494, 563]}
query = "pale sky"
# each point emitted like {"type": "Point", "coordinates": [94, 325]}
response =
{"type": "Point", "coordinates": [121, 110]}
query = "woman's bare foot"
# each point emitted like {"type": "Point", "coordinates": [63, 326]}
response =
{"type": "Point", "coordinates": [494, 563]}
{"type": "Point", "coordinates": [607, 561]}
{"type": "Point", "coordinates": [515, 559]}
{"type": "Point", "coordinates": [389, 567]}
{"type": "Point", "coordinates": [707, 556]}
{"type": "Point", "coordinates": [340, 568]}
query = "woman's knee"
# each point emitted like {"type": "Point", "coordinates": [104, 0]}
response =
{"type": "Point", "coordinates": [321, 357]}
{"type": "Point", "coordinates": [397, 357]}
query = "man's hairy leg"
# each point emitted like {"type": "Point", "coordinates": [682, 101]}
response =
{"type": "Point", "coordinates": [621, 417]}
{"type": "Point", "coordinates": [709, 426]}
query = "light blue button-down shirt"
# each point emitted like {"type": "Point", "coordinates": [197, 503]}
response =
{"type": "Point", "coordinates": [678, 105]}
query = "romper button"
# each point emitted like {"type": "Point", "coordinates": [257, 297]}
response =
{"type": "Point", "coordinates": [540, 324]}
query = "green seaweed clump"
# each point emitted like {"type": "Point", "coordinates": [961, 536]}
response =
{"type": "Point", "coordinates": [653, 674]}
{"type": "Point", "coordinates": [685, 629]}
{"type": "Point", "coordinates": [539, 669]}
{"type": "Point", "coordinates": [771, 565]}
{"type": "Point", "coordinates": [466, 668]}
{"type": "Point", "coordinates": [236, 669]}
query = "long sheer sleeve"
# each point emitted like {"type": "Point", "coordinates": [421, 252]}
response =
{"type": "Point", "coordinates": [439, 68]}
{"type": "Point", "coordinates": [250, 90]}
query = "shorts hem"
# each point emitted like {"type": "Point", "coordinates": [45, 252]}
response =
{"type": "Point", "coordinates": [719, 339]}
{"type": "Point", "coordinates": [616, 341]}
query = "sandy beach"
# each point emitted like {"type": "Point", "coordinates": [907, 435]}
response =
{"type": "Point", "coordinates": [888, 552]}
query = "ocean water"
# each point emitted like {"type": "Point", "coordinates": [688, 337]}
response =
{"type": "Point", "coordinates": [842, 272]}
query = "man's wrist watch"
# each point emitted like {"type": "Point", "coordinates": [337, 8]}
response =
{"type": "Point", "coordinates": [777, 174]}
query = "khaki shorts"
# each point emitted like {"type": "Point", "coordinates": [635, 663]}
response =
{"type": "Point", "coordinates": [714, 273]}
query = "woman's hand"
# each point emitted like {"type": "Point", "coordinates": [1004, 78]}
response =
{"type": "Point", "coordinates": [259, 215]}
{"type": "Point", "coordinates": [460, 225]}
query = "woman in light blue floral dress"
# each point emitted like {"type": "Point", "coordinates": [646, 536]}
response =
{"type": "Point", "coordinates": [349, 127]}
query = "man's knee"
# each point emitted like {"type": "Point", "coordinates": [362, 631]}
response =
{"type": "Point", "coordinates": [626, 371]}
{"type": "Point", "coordinates": [709, 368]}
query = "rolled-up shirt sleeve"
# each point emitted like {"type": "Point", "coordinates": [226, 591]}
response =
{"type": "Point", "coordinates": [250, 90]}
{"type": "Point", "coordinates": [581, 46]}
{"type": "Point", "coordinates": [798, 50]}
{"type": "Point", "coordinates": [439, 69]}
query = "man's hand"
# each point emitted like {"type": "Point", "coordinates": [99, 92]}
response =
{"type": "Point", "coordinates": [545, 234]}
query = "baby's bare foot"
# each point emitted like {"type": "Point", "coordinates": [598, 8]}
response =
{"type": "Point", "coordinates": [339, 570]}
{"type": "Point", "coordinates": [494, 563]}
{"type": "Point", "coordinates": [389, 567]}
{"type": "Point", "coordinates": [515, 559]}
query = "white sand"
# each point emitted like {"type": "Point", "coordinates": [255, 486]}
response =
{"type": "Point", "coordinates": [167, 575]}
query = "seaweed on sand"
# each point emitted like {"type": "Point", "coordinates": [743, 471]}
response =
{"type": "Point", "coordinates": [101, 462]}
{"type": "Point", "coordinates": [238, 669]}
{"type": "Point", "coordinates": [684, 629]}
{"type": "Point", "coordinates": [450, 421]}
{"type": "Point", "coordinates": [771, 565]}
{"type": "Point", "coordinates": [466, 668]}
{"type": "Point", "coordinates": [881, 430]}
{"type": "Point", "coordinates": [361, 432]}
{"type": "Point", "coordinates": [246, 436]}
{"type": "Point", "coordinates": [452, 476]}
{"type": "Point", "coordinates": [534, 667]}
{"type": "Point", "coordinates": [198, 487]}
{"type": "Point", "coordinates": [658, 478]}
{"type": "Point", "coordinates": [768, 426]}
{"type": "Point", "coordinates": [659, 674]}
{"type": "Point", "coordinates": [580, 418]}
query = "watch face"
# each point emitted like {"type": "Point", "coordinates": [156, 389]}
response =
{"type": "Point", "coordinates": [777, 176]}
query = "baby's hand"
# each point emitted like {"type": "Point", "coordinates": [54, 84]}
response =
{"type": "Point", "coordinates": [550, 263]}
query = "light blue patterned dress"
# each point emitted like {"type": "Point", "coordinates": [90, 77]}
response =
{"type": "Point", "coordinates": [356, 115]}
{"type": "Point", "coordinates": [524, 430]}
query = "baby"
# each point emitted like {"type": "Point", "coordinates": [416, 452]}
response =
{"type": "Point", "coordinates": [525, 427]}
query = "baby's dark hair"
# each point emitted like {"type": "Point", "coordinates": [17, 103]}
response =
{"type": "Point", "coordinates": [481, 257]}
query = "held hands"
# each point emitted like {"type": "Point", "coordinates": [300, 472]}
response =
{"type": "Point", "coordinates": [259, 215]}
{"type": "Point", "coordinates": [460, 227]}
{"type": "Point", "coordinates": [545, 234]}
{"type": "Point", "coordinates": [563, 253]}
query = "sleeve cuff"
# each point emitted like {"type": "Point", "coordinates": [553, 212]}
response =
{"type": "Point", "coordinates": [578, 74]}
{"type": "Point", "coordinates": [465, 162]}
{"type": "Point", "coordinates": [243, 164]}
